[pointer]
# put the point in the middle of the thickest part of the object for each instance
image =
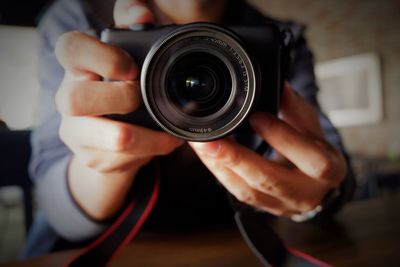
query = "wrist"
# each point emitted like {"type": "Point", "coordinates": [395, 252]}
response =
{"type": "Point", "coordinates": [99, 195]}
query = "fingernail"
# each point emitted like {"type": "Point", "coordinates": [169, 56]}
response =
{"type": "Point", "coordinates": [261, 121]}
{"type": "Point", "coordinates": [208, 149]}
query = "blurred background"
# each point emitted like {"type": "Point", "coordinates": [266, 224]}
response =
{"type": "Point", "coordinates": [356, 46]}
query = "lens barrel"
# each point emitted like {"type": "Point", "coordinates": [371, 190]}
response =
{"type": "Point", "coordinates": [198, 82]}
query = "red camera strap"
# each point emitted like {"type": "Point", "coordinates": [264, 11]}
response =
{"type": "Point", "coordinates": [262, 240]}
{"type": "Point", "coordinates": [108, 245]}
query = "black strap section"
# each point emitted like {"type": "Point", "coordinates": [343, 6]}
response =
{"type": "Point", "coordinates": [103, 248]}
{"type": "Point", "coordinates": [264, 242]}
{"type": "Point", "coordinates": [261, 238]}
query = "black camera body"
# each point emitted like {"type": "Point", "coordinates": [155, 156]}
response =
{"type": "Point", "coordinates": [201, 81]}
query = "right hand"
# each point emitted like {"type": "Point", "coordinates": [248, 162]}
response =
{"type": "Point", "coordinates": [107, 153]}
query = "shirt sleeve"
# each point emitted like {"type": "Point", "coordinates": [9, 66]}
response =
{"type": "Point", "coordinates": [301, 78]}
{"type": "Point", "coordinates": [50, 157]}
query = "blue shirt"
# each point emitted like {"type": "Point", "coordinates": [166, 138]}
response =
{"type": "Point", "coordinates": [60, 220]}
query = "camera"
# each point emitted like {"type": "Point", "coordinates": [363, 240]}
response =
{"type": "Point", "coordinates": [200, 81]}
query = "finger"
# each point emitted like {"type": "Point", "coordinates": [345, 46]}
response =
{"type": "Point", "coordinates": [97, 98]}
{"type": "Point", "coordinates": [129, 12]}
{"type": "Point", "coordinates": [105, 134]}
{"type": "Point", "coordinates": [299, 113]}
{"type": "Point", "coordinates": [318, 161]}
{"type": "Point", "coordinates": [289, 186]}
{"type": "Point", "coordinates": [243, 192]}
{"type": "Point", "coordinates": [108, 161]}
{"type": "Point", "coordinates": [80, 54]}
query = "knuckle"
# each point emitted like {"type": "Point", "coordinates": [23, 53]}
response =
{"type": "Point", "coordinates": [264, 186]}
{"type": "Point", "coordinates": [278, 187]}
{"type": "Point", "coordinates": [107, 166]}
{"type": "Point", "coordinates": [130, 93]}
{"type": "Point", "coordinates": [258, 184]}
{"type": "Point", "coordinates": [231, 158]}
{"type": "Point", "coordinates": [103, 163]}
{"type": "Point", "coordinates": [88, 161]}
{"type": "Point", "coordinates": [68, 98]}
{"type": "Point", "coordinates": [119, 62]}
{"type": "Point", "coordinates": [323, 167]}
{"type": "Point", "coordinates": [275, 186]}
{"type": "Point", "coordinates": [67, 45]}
{"type": "Point", "coordinates": [107, 163]}
{"type": "Point", "coordinates": [266, 183]}
{"type": "Point", "coordinates": [247, 196]}
{"type": "Point", "coordinates": [112, 68]}
{"type": "Point", "coordinates": [123, 138]}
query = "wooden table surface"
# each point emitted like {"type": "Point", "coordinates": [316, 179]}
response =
{"type": "Point", "coordinates": [364, 233]}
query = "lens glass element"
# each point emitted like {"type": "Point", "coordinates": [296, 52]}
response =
{"type": "Point", "coordinates": [198, 84]}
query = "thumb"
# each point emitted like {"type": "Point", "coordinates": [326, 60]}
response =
{"type": "Point", "coordinates": [128, 12]}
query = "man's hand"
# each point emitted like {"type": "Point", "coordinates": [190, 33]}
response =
{"type": "Point", "coordinates": [306, 169]}
{"type": "Point", "coordinates": [107, 154]}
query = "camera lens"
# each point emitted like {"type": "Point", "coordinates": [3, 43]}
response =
{"type": "Point", "coordinates": [198, 84]}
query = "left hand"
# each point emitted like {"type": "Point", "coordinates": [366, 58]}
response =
{"type": "Point", "coordinates": [282, 189]}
